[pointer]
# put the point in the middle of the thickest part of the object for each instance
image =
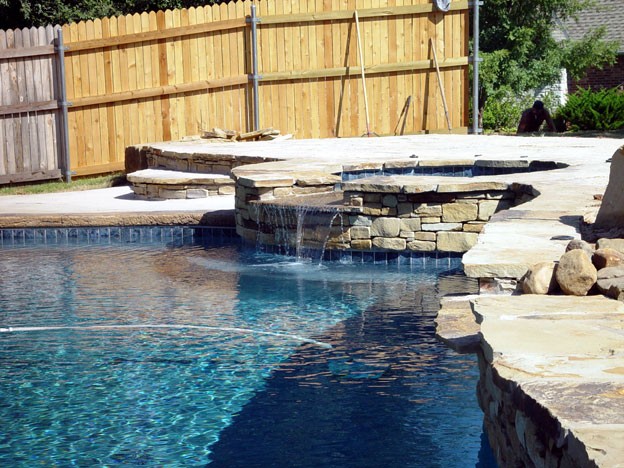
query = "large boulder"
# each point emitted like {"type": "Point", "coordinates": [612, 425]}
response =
{"type": "Point", "coordinates": [611, 212]}
{"type": "Point", "coordinates": [540, 279]}
{"type": "Point", "coordinates": [575, 273]}
{"type": "Point", "coordinates": [582, 245]}
{"type": "Point", "coordinates": [605, 258]}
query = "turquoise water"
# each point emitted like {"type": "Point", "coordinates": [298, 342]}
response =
{"type": "Point", "coordinates": [155, 354]}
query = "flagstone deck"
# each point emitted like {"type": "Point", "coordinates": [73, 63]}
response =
{"type": "Point", "coordinates": [560, 358]}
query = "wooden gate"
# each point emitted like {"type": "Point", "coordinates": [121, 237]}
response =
{"type": "Point", "coordinates": [31, 105]}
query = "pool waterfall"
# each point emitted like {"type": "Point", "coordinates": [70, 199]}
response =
{"type": "Point", "coordinates": [301, 231]}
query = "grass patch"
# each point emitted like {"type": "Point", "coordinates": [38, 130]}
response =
{"type": "Point", "coordinates": [76, 185]}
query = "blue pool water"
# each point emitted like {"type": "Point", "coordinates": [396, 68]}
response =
{"type": "Point", "coordinates": [176, 352]}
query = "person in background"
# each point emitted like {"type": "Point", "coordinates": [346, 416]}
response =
{"type": "Point", "coordinates": [533, 118]}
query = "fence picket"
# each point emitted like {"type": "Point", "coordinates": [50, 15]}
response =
{"type": "Point", "coordinates": [52, 128]}
{"type": "Point", "coordinates": [5, 120]}
{"type": "Point", "coordinates": [21, 93]}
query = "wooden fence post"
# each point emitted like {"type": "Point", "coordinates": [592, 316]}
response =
{"type": "Point", "coordinates": [63, 104]}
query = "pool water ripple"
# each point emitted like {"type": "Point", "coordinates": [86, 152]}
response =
{"type": "Point", "coordinates": [156, 355]}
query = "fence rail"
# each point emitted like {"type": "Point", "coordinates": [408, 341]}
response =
{"type": "Point", "coordinates": [164, 75]}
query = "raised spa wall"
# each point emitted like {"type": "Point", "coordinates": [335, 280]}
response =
{"type": "Point", "coordinates": [395, 213]}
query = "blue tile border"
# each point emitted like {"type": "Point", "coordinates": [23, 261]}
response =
{"type": "Point", "coordinates": [447, 260]}
{"type": "Point", "coordinates": [194, 235]}
{"type": "Point", "coordinates": [449, 171]}
{"type": "Point", "coordinates": [78, 236]}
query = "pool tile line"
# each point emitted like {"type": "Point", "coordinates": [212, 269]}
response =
{"type": "Point", "coordinates": [16, 237]}
{"type": "Point", "coordinates": [187, 235]}
{"type": "Point", "coordinates": [450, 260]}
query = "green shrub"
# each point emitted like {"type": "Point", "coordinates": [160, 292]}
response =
{"type": "Point", "coordinates": [594, 110]}
{"type": "Point", "coordinates": [503, 109]}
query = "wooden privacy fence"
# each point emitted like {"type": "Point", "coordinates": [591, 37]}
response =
{"type": "Point", "coordinates": [32, 106]}
{"type": "Point", "coordinates": [163, 76]}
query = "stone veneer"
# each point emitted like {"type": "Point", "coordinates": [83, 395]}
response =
{"type": "Point", "coordinates": [521, 431]}
{"type": "Point", "coordinates": [159, 174]}
{"type": "Point", "coordinates": [379, 213]}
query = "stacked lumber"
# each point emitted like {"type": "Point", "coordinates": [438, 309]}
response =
{"type": "Point", "coordinates": [266, 134]}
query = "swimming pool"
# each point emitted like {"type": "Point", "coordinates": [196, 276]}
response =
{"type": "Point", "coordinates": [124, 348]}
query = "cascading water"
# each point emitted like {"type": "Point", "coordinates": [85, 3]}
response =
{"type": "Point", "coordinates": [299, 231]}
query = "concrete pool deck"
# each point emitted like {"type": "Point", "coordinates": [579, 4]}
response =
{"type": "Point", "coordinates": [115, 206]}
{"type": "Point", "coordinates": [566, 353]}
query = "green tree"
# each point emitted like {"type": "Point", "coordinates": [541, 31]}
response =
{"type": "Point", "coordinates": [520, 52]}
{"type": "Point", "coordinates": [27, 13]}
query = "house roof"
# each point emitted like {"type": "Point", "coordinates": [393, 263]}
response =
{"type": "Point", "coordinates": [607, 13]}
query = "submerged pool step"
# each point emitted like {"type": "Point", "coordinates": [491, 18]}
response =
{"type": "Point", "coordinates": [164, 184]}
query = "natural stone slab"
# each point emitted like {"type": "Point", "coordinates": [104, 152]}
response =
{"type": "Point", "coordinates": [400, 164]}
{"type": "Point", "coordinates": [615, 244]}
{"type": "Point", "coordinates": [386, 227]}
{"type": "Point", "coordinates": [421, 246]}
{"type": "Point", "coordinates": [487, 208]}
{"type": "Point", "coordinates": [428, 210]}
{"type": "Point", "coordinates": [507, 249]}
{"type": "Point", "coordinates": [502, 163]}
{"type": "Point", "coordinates": [610, 281]}
{"type": "Point", "coordinates": [410, 224]}
{"type": "Point", "coordinates": [316, 178]}
{"type": "Point", "coordinates": [422, 187]}
{"type": "Point", "coordinates": [389, 200]}
{"type": "Point", "coordinates": [472, 186]}
{"type": "Point", "coordinates": [425, 236]}
{"type": "Point", "coordinates": [378, 184]}
{"type": "Point", "coordinates": [171, 194]}
{"type": "Point", "coordinates": [361, 244]}
{"type": "Point", "coordinates": [199, 193]}
{"type": "Point", "coordinates": [431, 220]}
{"type": "Point", "coordinates": [603, 444]}
{"type": "Point", "coordinates": [360, 232]}
{"type": "Point", "coordinates": [441, 227]}
{"type": "Point", "coordinates": [360, 221]}
{"type": "Point", "coordinates": [459, 212]}
{"type": "Point", "coordinates": [445, 162]}
{"type": "Point", "coordinates": [577, 377]}
{"type": "Point", "coordinates": [575, 273]}
{"type": "Point", "coordinates": [266, 180]}
{"type": "Point", "coordinates": [362, 166]}
{"type": "Point", "coordinates": [456, 325]}
{"type": "Point", "coordinates": [166, 177]}
{"type": "Point", "coordinates": [456, 241]}
{"type": "Point", "coordinates": [525, 326]}
{"type": "Point", "coordinates": [473, 226]}
{"type": "Point", "coordinates": [389, 243]}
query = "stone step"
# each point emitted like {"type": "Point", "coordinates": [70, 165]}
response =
{"type": "Point", "coordinates": [163, 184]}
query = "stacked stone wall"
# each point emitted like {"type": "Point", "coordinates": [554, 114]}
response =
{"type": "Point", "coordinates": [423, 222]}
{"type": "Point", "coordinates": [365, 221]}
{"type": "Point", "coordinates": [254, 193]}
{"type": "Point", "coordinates": [198, 163]}
{"type": "Point", "coordinates": [522, 432]}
